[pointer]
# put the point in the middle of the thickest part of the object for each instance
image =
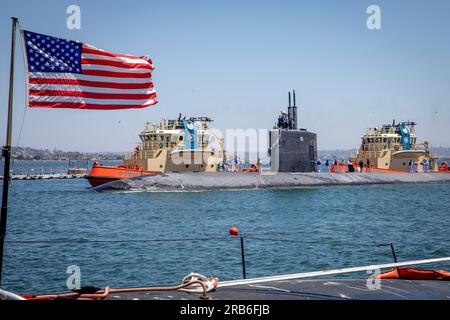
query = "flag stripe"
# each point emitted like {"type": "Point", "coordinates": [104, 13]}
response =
{"type": "Point", "coordinates": [87, 83]}
{"type": "Point", "coordinates": [77, 76]}
{"type": "Point", "coordinates": [108, 58]}
{"type": "Point", "coordinates": [36, 104]}
{"type": "Point", "coordinates": [119, 64]}
{"type": "Point", "coordinates": [60, 88]}
{"type": "Point", "coordinates": [86, 66]}
{"type": "Point", "coordinates": [92, 95]}
{"type": "Point", "coordinates": [122, 102]}
{"type": "Point", "coordinates": [116, 74]}
{"type": "Point", "coordinates": [93, 50]}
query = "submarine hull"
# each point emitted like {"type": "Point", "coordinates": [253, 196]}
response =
{"type": "Point", "coordinates": [239, 180]}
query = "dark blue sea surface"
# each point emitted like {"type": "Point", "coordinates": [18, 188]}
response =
{"type": "Point", "coordinates": [285, 231]}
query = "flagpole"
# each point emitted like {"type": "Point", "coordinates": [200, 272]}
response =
{"type": "Point", "coordinates": [7, 148]}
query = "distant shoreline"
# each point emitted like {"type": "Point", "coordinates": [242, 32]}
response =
{"type": "Point", "coordinates": [55, 160]}
{"type": "Point", "coordinates": [24, 154]}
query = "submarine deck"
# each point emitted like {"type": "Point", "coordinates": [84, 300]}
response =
{"type": "Point", "coordinates": [332, 289]}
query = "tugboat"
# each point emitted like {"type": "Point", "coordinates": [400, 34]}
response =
{"type": "Point", "coordinates": [393, 147]}
{"type": "Point", "coordinates": [100, 174]}
{"type": "Point", "coordinates": [180, 145]}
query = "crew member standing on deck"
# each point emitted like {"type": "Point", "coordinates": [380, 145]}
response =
{"type": "Point", "coordinates": [368, 165]}
{"type": "Point", "coordinates": [283, 120]}
{"type": "Point", "coordinates": [319, 165]}
{"type": "Point", "coordinates": [259, 162]}
{"type": "Point", "coordinates": [350, 167]}
{"type": "Point", "coordinates": [327, 165]}
{"type": "Point", "coordinates": [343, 165]}
{"type": "Point", "coordinates": [361, 165]}
{"type": "Point", "coordinates": [425, 165]}
{"type": "Point", "coordinates": [280, 122]}
{"type": "Point", "coordinates": [336, 169]}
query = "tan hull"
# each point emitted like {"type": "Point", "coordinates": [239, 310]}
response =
{"type": "Point", "coordinates": [396, 160]}
{"type": "Point", "coordinates": [177, 161]}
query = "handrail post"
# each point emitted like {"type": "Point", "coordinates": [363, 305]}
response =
{"type": "Point", "coordinates": [395, 259]}
{"type": "Point", "coordinates": [244, 273]}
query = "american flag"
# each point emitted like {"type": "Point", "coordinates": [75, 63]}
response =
{"type": "Point", "coordinates": [69, 74]}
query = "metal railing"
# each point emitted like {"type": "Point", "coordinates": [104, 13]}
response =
{"type": "Point", "coordinates": [242, 239]}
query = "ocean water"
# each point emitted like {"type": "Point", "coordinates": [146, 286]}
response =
{"type": "Point", "coordinates": [147, 238]}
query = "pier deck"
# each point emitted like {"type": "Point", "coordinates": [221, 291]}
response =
{"type": "Point", "coordinates": [46, 176]}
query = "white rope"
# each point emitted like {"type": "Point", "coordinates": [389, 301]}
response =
{"type": "Point", "coordinates": [6, 295]}
{"type": "Point", "coordinates": [327, 272]}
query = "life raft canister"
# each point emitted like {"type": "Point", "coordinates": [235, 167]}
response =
{"type": "Point", "coordinates": [414, 274]}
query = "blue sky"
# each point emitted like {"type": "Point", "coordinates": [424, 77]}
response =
{"type": "Point", "coordinates": [235, 61]}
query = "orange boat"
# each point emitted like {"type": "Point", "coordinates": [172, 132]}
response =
{"type": "Point", "coordinates": [103, 174]}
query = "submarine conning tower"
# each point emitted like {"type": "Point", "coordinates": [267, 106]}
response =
{"type": "Point", "coordinates": [291, 149]}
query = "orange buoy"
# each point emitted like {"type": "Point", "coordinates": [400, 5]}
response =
{"type": "Point", "coordinates": [234, 231]}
